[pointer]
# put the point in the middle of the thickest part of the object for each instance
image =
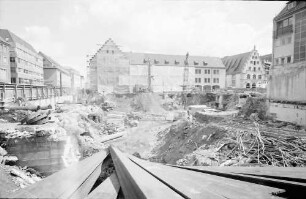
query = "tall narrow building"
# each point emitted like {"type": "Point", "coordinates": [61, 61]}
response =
{"type": "Point", "coordinates": [287, 84]}
{"type": "Point", "coordinates": [5, 71]}
{"type": "Point", "coordinates": [25, 63]}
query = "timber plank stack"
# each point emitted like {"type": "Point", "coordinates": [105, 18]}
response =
{"type": "Point", "coordinates": [137, 178]}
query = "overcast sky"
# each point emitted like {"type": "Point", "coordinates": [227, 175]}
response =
{"type": "Point", "coordinates": [68, 30]}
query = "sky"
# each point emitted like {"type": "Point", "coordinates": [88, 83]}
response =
{"type": "Point", "coordinates": [70, 30]}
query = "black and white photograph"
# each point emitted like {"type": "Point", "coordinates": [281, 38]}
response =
{"type": "Point", "coordinates": [153, 99]}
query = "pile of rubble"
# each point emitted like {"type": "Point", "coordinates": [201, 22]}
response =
{"type": "Point", "coordinates": [36, 118]}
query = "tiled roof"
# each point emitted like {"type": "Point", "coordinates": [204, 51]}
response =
{"type": "Point", "coordinates": [234, 64]}
{"type": "Point", "coordinates": [15, 39]}
{"type": "Point", "coordinates": [285, 12]}
{"type": "Point", "coordinates": [162, 60]}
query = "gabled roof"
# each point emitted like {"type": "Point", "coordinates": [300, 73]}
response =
{"type": "Point", "coordinates": [15, 39]}
{"type": "Point", "coordinates": [178, 60]}
{"type": "Point", "coordinates": [285, 12]}
{"type": "Point", "coordinates": [3, 41]}
{"type": "Point", "coordinates": [50, 60]}
{"type": "Point", "coordinates": [234, 64]}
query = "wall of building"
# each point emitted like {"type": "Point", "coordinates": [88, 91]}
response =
{"type": "Point", "coordinates": [295, 114]}
{"type": "Point", "coordinates": [5, 71]}
{"type": "Point", "coordinates": [288, 83]}
{"type": "Point", "coordinates": [219, 77]}
{"type": "Point", "coordinates": [52, 77]}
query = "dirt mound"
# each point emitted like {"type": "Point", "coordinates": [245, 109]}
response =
{"type": "Point", "coordinates": [183, 138]}
{"type": "Point", "coordinates": [148, 102]}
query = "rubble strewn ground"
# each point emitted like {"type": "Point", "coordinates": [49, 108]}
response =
{"type": "Point", "coordinates": [151, 126]}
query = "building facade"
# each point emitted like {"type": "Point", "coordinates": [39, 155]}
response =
{"type": "Point", "coordinates": [54, 74]}
{"type": "Point", "coordinates": [26, 64]}
{"type": "Point", "coordinates": [111, 70]}
{"type": "Point", "coordinates": [245, 70]}
{"type": "Point", "coordinates": [287, 86]}
{"type": "Point", "coordinates": [5, 71]}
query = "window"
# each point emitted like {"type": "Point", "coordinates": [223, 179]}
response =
{"type": "Point", "coordinates": [197, 71]}
{"type": "Point", "coordinates": [197, 80]}
{"type": "Point", "coordinates": [257, 62]}
{"type": "Point", "coordinates": [253, 85]}
{"type": "Point", "coordinates": [254, 76]}
{"type": "Point", "coordinates": [254, 69]}
{"type": "Point", "coordinates": [106, 51]}
{"type": "Point", "coordinates": [248, 76]}
{"type": "Point", "coordinates": [289, 59]}
{"type": "Point", "coordinates": [216, 80]}
{"type": "Point", "coordinates": [12, 59]}
{"type": "Point", "coordinates": [259, 69]}
{"type": "Point", "coordinates": [247, 85]}
{"type": "Point", "coordinates": [113, 52]}
{"type": "Point", "coordinates": [207, 80]}
{"type": "Point", "coordinates": [251, 62]}
{"type": "Point", "coordinates": [216, 72]}
{"type": "Point", "coordinates": [259, 76]}
{"type": "Point", "coordinates": [207, 71]}
{"type": "Point", "coordinates": [282, 60]}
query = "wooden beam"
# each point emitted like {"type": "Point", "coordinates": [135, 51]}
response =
{"type": "Point", "coordinates": [108, 189]}
{"type": "Point", "coordinates": [136, 182]}
{"type": "Point", "coordinates": [75, 181]}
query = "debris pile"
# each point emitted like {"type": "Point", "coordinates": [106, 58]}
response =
{"type": "Point", "coordinates": [36, 118]}
{"type": "Point", "coordinates": [254, 105]}
{"type": "Point", "coordinates": [262, 148]}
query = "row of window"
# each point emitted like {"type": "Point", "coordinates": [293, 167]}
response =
{"type": "Point", "coordinates": [26, 81]}
{"type": "Point", "coordinates": [254, 62]}
{"type": "Point", "coordinates": [25, 63]}
{"type": "Point", "coordinates": [283, 60]}
{"type": "Point", "coordinates": [28, 55]}
{"type": "Point", "coordinates": [206, 71]}
{"type": "Point", "coordinates": [300, 37]}
{"type": "Point", "coordinates": [254, 76]}
{"type": "Point", "coordinates": [207, 80]}
{"type": "Point", "coordinates": [254, 68]}
{"type": "Point", "coordinates": [175, 62]}
{"type": "Point", "coordinates": [20, 70]}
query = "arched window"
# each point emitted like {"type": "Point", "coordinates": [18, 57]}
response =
{"type": "Point", "coordinates": [248, 76]}
{"type": "Point", "coordinates": [254, 76]}
{"type": "Point", "coordinates": [247, 85]}
{"type": "Point", "coordinates": [253, 85]}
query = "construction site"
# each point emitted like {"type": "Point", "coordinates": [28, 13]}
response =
{"type": "Point", "coordinates": [149, 125]}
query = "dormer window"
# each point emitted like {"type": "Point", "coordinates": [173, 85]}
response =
{"type": "Point", "coordinates": [195, 63]}
{"type": "Point", "coordinates": [176, 62]}
{"type": "Point", "coordinates": [107, 51]}
{"type": "Point", "coordinates": [144, 61]}
{"type": "Point", "coordinates": [166, 62]}
{"type": "Point", "coordinates": [204, 63]}
{"type": "Point", "coordinates": [291, 5]}
{"type": "Point", "coordinates": [155, 61]}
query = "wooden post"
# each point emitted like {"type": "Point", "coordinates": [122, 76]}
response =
{"type": "Point", "coordinates": [31, 91]}
{"type": "Point", "coordinates": [16, 95]}
{"type": "Point", "coordinates": [3, 96]}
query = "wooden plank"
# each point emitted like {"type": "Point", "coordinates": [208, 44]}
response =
{"type": "Point", "coordinates": [112, 137]}
{"type": "Point", "coordinates": [136, 182]}
{"type": "Point", "coordinates": [67, 182]}
{"type": "Point", "coordinates": [200, 185]}
{"type": "Point", "coordinates": [108, 189]}
{"type": "Point", "coordinates": [292, 188]}
{"type": "Point", "coordinates": [297, 174]}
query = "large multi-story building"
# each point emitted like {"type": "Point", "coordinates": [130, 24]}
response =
{"type": "Point", "coordinates": [54, 74]}
{"type": "Point", "coordinates": [245, 70]}
{"type": "Point", "coordinates": [5, 75]}
{"type": "Point", "coordinates": [287, 84]}
{"type": "Point", "coordinates": [25, 63]}
{"type": "Point", "coordinates": [111, 70]}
